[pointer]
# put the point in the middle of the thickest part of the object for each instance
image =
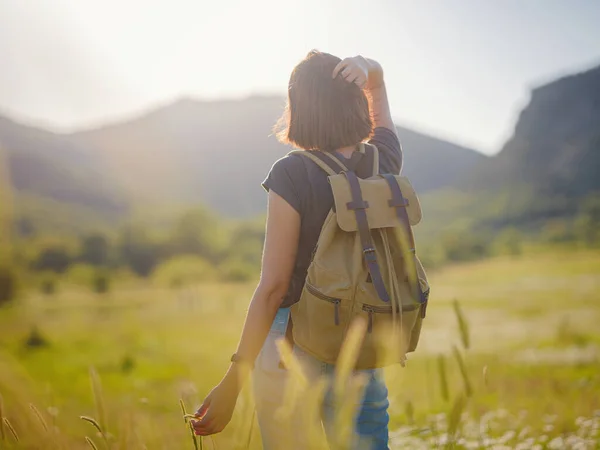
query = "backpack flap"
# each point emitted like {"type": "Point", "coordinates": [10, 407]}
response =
{"type": "Point", "coordinates": [376, 192]}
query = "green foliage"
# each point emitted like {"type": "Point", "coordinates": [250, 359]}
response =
{"type": "Point", "coordinates": [35, 339]}
{"type": "Point", "coordinates": [508, 242]}
{"type": "Point", "coordinates": [465, 246]}
{"type": "Point", "coordinates": [80, 274]}
{"type": "Point", "coordinates": [198, 232]}
{"type": "Point", "coordinates": [138, 250]}
{"type": "Point", "coordinates": [8, 284]}
{"type": "Point", "coordinates": [101, 283]}
{"type": "Point", "coordinates": [48, 286]}
{"type": "Point", "coordinates": [184, 270]}
{"type": "Point", "coordinates": [95, 250]}
{"type": "Point", "coordinates": [236, 270]}
{"type": "Point", "coordinates": [56, 258]}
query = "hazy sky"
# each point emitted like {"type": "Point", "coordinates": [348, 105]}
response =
{"type": "Point", "coordinates": [460, 69]}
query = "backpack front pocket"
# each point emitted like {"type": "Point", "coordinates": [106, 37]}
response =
{"type": "Point", "coordinates": [320, 322]}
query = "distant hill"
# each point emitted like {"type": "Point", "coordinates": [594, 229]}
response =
{"type": "Point", "coordinates": [55, 181]}
{"type": "Point", "coordinates": [218, 152]}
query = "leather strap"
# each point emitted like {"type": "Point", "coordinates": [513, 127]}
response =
{"type": "Point", "coordinates": [400, 203]}
{"type": "Point", "coordinates": [326, 166]}
{"type": "Point", "coordinates": [326, 156]}
{"type": "Point", "coordinates": [372, 149]}
{"type": "Point", "coordinates": [359, 206]}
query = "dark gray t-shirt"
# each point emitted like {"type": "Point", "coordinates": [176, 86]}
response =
{"type": "Point", "coordinates": [304, 185]}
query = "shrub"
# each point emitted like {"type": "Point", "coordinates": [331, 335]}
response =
{"type": "Point", "coordinates": [101, 283]}
{"type": "Point", "coordinates": [182, 270]}
{"type": "Point", "coordinates": [48, 286]}
{"type": "Point", "coordinates": [237, 271]}
{"type": "Point", "coordinates": [36, 339]}
{"type": "Point", "coordinates": [81, 274]}
{"type": "Point", "coordinates": [8, 284]}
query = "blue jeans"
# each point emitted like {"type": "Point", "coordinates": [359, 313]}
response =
{"type": "Point", "coordinates": [269, 380]}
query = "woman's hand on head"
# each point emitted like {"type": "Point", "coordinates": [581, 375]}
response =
{"type": "Point", "coordinates": [363, 72]}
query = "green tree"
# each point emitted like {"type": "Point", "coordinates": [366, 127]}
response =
{"type": "Point", "coordinates": [587, 225]}
{"type": "Point", "coordinates": [137, 250]}
{"type": "Point", "coordinates": [55, 258]}
{"type": "Point", "coordinates": [199, 232]}
{"type": "Point", "coordinates": [95, 250]}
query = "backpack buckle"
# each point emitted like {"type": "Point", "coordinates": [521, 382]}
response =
{"type": "Point", "coordinates": [370, 254]}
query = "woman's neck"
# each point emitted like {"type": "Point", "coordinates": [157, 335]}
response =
{"type": "Point", "coordinates": [347, 151]}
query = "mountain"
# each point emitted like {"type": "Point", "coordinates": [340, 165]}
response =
{"type": "Point", "coordinates": [556, 141]}
{"type": "Point", "coordinates": [50, 172]}
{"type": "Point", "coordinates": [547, 168]}
{"type": "Point", "coordinates": [219, 153]}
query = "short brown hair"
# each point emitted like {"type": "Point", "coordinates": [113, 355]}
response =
{"type": "Point", "coordinates": [323, 113]}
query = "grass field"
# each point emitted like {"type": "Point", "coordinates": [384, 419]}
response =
{"type": "Point", "coordinates": [531, 369]}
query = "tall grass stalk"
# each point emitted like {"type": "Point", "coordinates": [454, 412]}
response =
{"type": "Point", "coordinates": [463, 325]}
{"type": "Point", "coordinates": [348, 355]}
{"type": "Point", "coordinates": [187, 419]}
{"type": "Point", "coordinates": [443, 378]}
{"type": "Point", "coordinates": [98, 400]}
{"type": "Point", "coordinates": [296, 387]}
{"type": "Point", "coordinates": [311, 407]}
{"type": "Point", "coordinates": [91, 443]}
{"type": "Point", "coordinates": [463, 371]}
{"type": "Point", "coordinates": [2, 435]}
{"type": "Point", "coordinates": [10, 428]}
{"type": "Point", "coordinates": [39, 416]}
{"type": "Point", "coordinates": [454, 420]}
{"type": "Point", "coordinates": [348, 389]}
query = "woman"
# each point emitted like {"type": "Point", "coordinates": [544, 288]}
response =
{"type": "Point", "coordinates": [333, 106]}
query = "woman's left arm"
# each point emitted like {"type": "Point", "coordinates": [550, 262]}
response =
{"type": "Point", "coordinates": [279, 257]}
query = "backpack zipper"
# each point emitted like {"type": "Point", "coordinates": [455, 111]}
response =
{"type": "Point", "coordinates": [370, 309]}
{"type": "Point", "coordinates": [336, 301]}
{"type": "Point", "coordinates": [375, 310]}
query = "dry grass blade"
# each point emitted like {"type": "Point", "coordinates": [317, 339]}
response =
{"type": "Point", "coordinates": [98, 401]}
{"type": "Point", "coordinates": [91, 443]}
{"type": "Point", "coordinates": [184, 411]}
{"type": "Point", "coordinates": [348, 355]}
{"type": "Point", "coordinates": [443, 378]}
{"type": "Point", "coordinates": [463, 325]}
{"type": "Point", "coordinates": [39, 416]}
{"type": "Point", "coordinates": [187, 416]}
{"type": "Point", "coordinates": [409, 410]}
{"type": "Point", "coordinates": [463, 371]}
{"type": "Point", "coordinates": [454, 419]}
{"type": "Point", "coordinates": [346, 410]}
{"type": "Point", "coordinates": [93, 422]}
{"type": "Point", "coordinates": [311, 408]}
{"type": "Point", "coordinates": [485, 376]}
{"type": "Point", "coordinates": [291, 363]}
{"type": "Point", "coordinates": [2, 435]}
{"type": "Point", "coordinates": [10, 428]}
{"type": "Point", "coordinates": [193, 434]}
{"type": "Point", "coordinates": [295, 388]}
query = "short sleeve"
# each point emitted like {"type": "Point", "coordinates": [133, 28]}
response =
{"type": "Point", "coordinates": [284, 178]}
{"type": "Point", "coordinates": [390, 150]}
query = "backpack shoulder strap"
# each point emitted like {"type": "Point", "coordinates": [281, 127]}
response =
{"type": "Point", "coordinates": [371, 149]}
{"type": "Point", "coordinates": [359, 206]}
{"type": "Point", "coordinates": [327, 163]}
{"type": "Point", "coordinates": [400, 203]}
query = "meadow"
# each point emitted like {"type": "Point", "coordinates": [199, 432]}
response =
{"type": "Point", "coordinates": [509, 359]}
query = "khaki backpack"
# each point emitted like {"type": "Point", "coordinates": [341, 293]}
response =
{"type": "Point", "coordinates": [364, 266]}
